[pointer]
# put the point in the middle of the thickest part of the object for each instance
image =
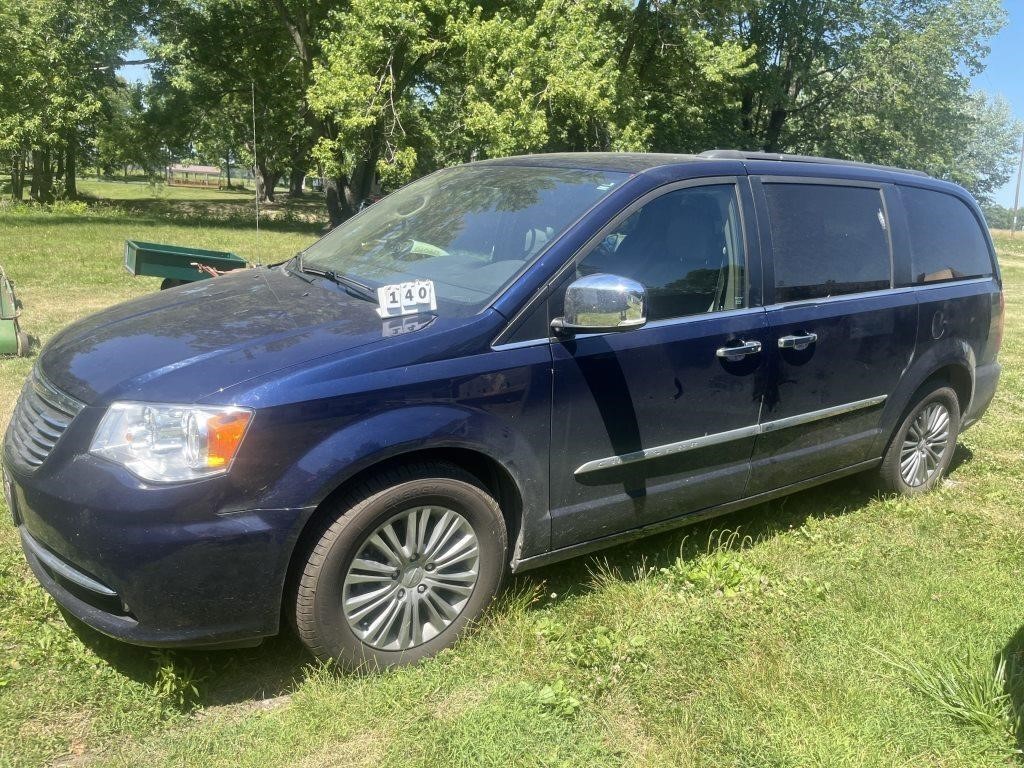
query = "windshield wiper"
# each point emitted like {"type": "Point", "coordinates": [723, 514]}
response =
{"type": "Point", "coordinates": [354, 287]}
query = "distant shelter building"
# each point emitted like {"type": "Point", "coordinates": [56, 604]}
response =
{"type": "Point", "coordinates": [193, 176]}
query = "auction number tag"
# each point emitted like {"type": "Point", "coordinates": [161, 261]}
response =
{"type": "Point", "coordinates": [406, 298]}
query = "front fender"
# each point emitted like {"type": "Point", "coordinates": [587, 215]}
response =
{"type": "Point", "coordinates": [360, 445]}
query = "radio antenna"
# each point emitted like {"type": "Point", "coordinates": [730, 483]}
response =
{"type": "Point", "coordinates": [256, 173]}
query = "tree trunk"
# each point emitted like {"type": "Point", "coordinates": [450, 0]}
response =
{"type": "Point", "coordinates": [635, 28]}
{"type": "Point", "coordinates": [362, 180]}
{"type": "Point", "coordinates": [774, 130]}
{"type": "Point", "coordinates": [266, 180]}
{"type": "Point", "coordinates": [37, 174]}
{"type": "Point", "coordinates": [227, 168]}
{"type": "Point", "coordinates": [336, 194]}
{"type": "Point", "coordinates": [70, 182]}
{"type": "Point", "coordinates": [365, 172]}
{"type": "Point", "coordinates": [42, 176]}
{"type": "Point", "coordinates": [18, 177]}
{"type": "Point", "coordinates": [747, 117]}
{"type": "Point", "coordinates": [296, 179]}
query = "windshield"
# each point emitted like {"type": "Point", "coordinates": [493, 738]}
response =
{"type": "Point", "coordinates": [470, 229]}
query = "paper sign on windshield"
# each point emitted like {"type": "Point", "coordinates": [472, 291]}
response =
{"type": "Point", "coordinates": [406, 298]}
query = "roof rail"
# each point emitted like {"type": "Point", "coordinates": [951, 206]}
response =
{"type": "Point", "coordinates": [737, 154]}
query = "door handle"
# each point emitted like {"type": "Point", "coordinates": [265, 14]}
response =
{"type": "Point", "coordinates": [739, 351]}
{"type": "Point", "coordinates": [798, 342]}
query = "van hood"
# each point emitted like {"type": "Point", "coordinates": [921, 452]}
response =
{"type": "Point", "coordinates": [187, 343]}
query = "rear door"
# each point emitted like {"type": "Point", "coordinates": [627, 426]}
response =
{"type": "Point", "coordinates": [840, 337]}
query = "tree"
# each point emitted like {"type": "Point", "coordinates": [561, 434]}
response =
{"type": "Point", "coordinates": [376, 55]}
{"type": "Point", "coordinates": [986, 157]}
{"type": "Point", "coordinates": [62, 56]}
{"type": "Point", "coordinates": [997, 216]}
{"type": "Point", "coordinates": [801, 49]}
{"type": "Point", "coordinates": [414, 85]}
{"type": "Point", "coordinates": [227, 60]}
{"type": "Point", "coordinates": [126, 133]}
{"type": "Point", "coordinates": [864, 80]}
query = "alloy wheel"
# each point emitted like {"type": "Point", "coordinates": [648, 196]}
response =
{"type": "Point", "coordinates": [924, 445]}
{"type": "Point", "coordinates": [411, 578]}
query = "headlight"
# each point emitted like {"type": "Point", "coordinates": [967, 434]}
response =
{"type": "Point", "coordinates": [171, 443]}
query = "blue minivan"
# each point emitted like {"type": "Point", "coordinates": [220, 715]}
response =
{"type": "Point", "coordinates": [501, 365]}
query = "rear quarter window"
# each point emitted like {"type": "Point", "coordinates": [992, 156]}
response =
{"type": "Point", "coordinates": [946, 240]}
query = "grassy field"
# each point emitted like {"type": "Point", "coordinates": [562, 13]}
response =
{"type": "Point", "coordinates": [834, 627]}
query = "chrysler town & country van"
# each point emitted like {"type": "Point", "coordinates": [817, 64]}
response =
{"type": "Point", "coordinates": [498, 366]}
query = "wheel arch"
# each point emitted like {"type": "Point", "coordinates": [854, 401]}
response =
{"type": "Point", "coordinates": [492, 475]}
{"type": "Point", "coordinates": [951, 364]}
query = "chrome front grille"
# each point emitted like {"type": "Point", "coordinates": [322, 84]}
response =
{"type": "Point", "coordinates": [41, 416]}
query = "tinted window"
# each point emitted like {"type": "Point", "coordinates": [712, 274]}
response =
{"type": "Point", "coordinates": [828, 240]}
{"type": "Point", "coordinates": [945, 239]}
{"type": "Point", "coordinates": [470, 229]}
{"type": "Point", "coordinates": [684, 247]}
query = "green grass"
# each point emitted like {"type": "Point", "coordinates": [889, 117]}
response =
{"type": "Point", "coordinates": [834, 627]}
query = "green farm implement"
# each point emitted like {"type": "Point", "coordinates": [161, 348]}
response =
{"type": "Point", "coordinates": [13, 340]}
{"type": "Point", "coordinates": [177, 264]}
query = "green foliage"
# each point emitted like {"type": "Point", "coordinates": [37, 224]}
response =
{"type": "Point", "coordinates": [904, 98]}
{"type": "Point", "coordinates": [967, 690]}
{"type": "Point", "coordinates": [176, 681]}
{"type": "Point", "coordinates": [556, 698]}
{"type": "Point", "coordinates": [416, 85]}
{"type": "Point", "coordinates": [600, 656]}
{"type": "Point", "coordinates": [375, 93]}
{"type": "Point", "coordinates": [58, 60]}
{"type": "Point", "coordinates": [376, 54]}
{"type": "Point", "coordinates": [999, 217]}
{"type": "Point", "coordinates": [221, 60]}
{"type": "Point", "coordinates": [721, 570]}
{"type": "Point", "coordinates": [985, 161]}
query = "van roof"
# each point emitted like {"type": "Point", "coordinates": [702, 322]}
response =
{"type": "Point", "coordinates": [635, 162]}
{"type": "Point", "coordinates": [735, 154]}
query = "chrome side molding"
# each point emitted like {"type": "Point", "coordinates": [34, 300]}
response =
{"type": "Point", "coordinates": [824, 413]}
{"type": "Point", "coordinates": [667, 450]}
{"type": "Point", "coordinates": [717, 438]}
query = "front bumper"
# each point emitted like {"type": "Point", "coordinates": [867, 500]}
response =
{"type": "Point", "coordinates": [153, 566]}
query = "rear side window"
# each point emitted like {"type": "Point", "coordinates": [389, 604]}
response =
{"type": "Point", "coordinates": [945, 238]}
{"type": "Point", "coordinates": [828, 240]}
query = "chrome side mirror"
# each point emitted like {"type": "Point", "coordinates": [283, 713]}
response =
{"type": "Point", "coordinates": [602, 303]}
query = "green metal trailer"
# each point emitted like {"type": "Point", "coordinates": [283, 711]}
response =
{"type": "Point", "coordinates": [176, 263]}
{"type": "Point", "coordinates": [13, 340]}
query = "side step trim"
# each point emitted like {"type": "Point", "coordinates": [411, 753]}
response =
{"type": "Point", "coordinates": [586, 547]}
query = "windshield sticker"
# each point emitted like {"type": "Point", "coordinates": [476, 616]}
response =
{"type": "Point", "coordinates": [425, 249]}
{"type": "Point", "coordinates": [406, 298]}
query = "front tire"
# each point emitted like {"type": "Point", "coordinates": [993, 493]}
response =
{"type": "Point", "coordinates": [411, 558]}
{"type": "Point", "coordinates": [922, 447]}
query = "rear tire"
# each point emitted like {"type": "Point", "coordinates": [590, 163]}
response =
{"type": "Point", "coordinates": [922, 447]}
{"type": "Point", "coordinates": [410, 559]}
